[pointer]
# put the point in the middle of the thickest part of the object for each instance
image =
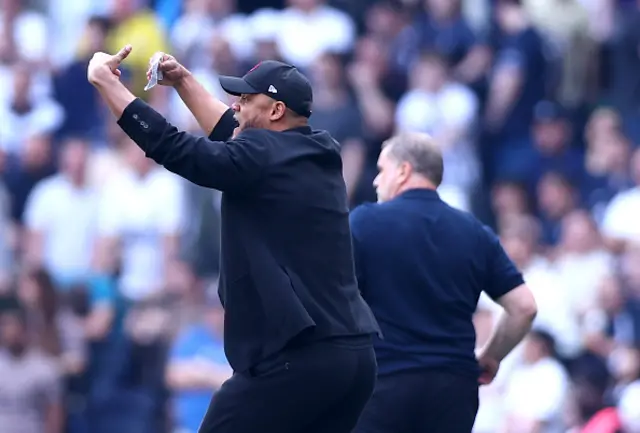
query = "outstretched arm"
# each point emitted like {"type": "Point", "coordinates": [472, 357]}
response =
{"type": "Point", "coordinates": [223, 165]}
{"type": "Point", "coordinates": [206, 108]}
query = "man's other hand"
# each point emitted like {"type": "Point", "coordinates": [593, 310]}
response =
{"type": "Point", "coordinates": [103, 66]}
{"type": "Point", "coordinates": [488, 368]}
{"type": "Point", "coordinates": [172, 71]}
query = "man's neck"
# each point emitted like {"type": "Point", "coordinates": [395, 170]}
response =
{"type": "Point", "coordinates": [417, 183]}
{"type": "Point", "coordinates": [289, 125]}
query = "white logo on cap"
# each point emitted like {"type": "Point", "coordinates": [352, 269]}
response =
{"type": "Point", "coordinates": [272, 89]}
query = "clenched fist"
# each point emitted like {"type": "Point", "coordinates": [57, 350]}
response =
{"type": "Point", "coordinates": [172, 71]}
{"type": "Point", "coordinates": [103, 66]}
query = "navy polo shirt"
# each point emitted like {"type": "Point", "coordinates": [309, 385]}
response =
{"type": "Point", "coordinates": [421, 266]}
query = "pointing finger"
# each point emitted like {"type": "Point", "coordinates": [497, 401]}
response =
{"type": "Point", "coordinates": [122, 54]}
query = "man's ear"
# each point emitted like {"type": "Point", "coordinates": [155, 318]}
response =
{"type": "Point", "coordinates": [278, 110]}
{"type": "Point", "coordinates": [405, 171]}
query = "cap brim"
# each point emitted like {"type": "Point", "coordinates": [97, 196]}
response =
{"type": "Point", "coordinates": [236, 86]}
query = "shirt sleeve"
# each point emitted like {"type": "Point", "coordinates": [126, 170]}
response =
{"type": "Point", "coordinates": [503, 276]}
{"type": "Point", "coordinates": [232, 165]}
{"type": "Point", "coordinates": [224, 128]}
{"type": "Point", "coordinates": [37, 208]}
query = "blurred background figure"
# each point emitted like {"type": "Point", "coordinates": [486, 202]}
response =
{"type": "Point", "coordinates": [105, 257]}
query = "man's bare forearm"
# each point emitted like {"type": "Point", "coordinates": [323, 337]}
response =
{"type": "Point", "coordinates": [115, 95]}
{"type": "Point", "coordinates": [205, 107]}
{"type": "Point", "coordinates": [509, 331]}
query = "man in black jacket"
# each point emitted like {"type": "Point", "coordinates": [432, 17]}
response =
{"type": "Point", "coordinates": [297, 331]}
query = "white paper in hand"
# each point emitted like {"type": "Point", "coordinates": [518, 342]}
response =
{"type": "Point", "coordinates": [155, 75]}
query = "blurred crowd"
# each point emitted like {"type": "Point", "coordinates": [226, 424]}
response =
{"type": "Point", "coordinates": [109, 317]}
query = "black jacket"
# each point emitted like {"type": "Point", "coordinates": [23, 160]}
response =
{"type": "Point", "coordinates": [287, 265]}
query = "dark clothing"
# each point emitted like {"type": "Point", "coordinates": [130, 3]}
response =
{"type": "Point", "coordinates": [317, 388]}
{"type": "Point", "coordinates": [431, 401]}
{"type": "Point", "coordinates": [524, 52]}
{"type": "Point", "coordinates": [286, 257]}
{"type": "Point", "coordinates": [422, 266]}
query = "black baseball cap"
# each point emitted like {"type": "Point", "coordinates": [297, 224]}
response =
{"type": "Point", "coordinates": [277, 80]}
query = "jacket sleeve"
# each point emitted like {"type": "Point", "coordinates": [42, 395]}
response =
{"type": "Point", "coordinates": [223, 165]}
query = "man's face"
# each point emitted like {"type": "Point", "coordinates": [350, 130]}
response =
{"type": "Point", "coordinates": [74, 157]}
{"type": "Point", "coordinates": [12, 331]}
{"type": "Point", "coordinates": [390, 177]}
{"type": "Point", "coordinates": [254, 111]}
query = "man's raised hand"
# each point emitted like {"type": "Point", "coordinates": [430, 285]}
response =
{"type": "Point", "coordinates": [172, 71]}
{"type": "Point", "coordinates": [103, 66]}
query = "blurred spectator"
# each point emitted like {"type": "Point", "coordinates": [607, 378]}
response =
{"type": "Point", "coordinates": [619, 223]}
{"type": "Point", "coordinates": [388, 24]}
{"type": "Point", "coordinates": [203, 20]}
{"type": "Point", "coordinates": [31, 389]}
{"type": "Point", "coordinates": [61, 217]}
{"type": "Point", "coordinates": [136, 24]}
{"type": "Point", "coordinates": [520, 237]}
{"type": "Point", "coordinates": [25, 115]}
{"type": "Point", "coordinates": [625, 67]}
{"type": "Point", "coordinates": [24, 170]}
{"type": "Point", "coordinates": [509, 199]}
{"type": "Point", "coordinates": [446, 110]}
{"type": "Point", "coordinates": [325, 29]}
{"type": "Point", "coordinates": [607, 161]}
{"type": "Point", "coordinates": [23, 33]}
{"type": "Point", "coordinates": [83, 109]}
{"type": "Point", "coordinates": [582, 261]}
{"type": "Point", "coordinates": [556, 198]}
{"type": "Point", "coordinates": [377, 88]}
{"type": "Point", "coordinates": [442, 28]}
{"type": "Point", "coordinates": [536, 395]}
{"type": "Point", "coordinates": [138, 225]}
{"type": "Point", "coordinates": [197, 367]}
{"type": "Point", "coordinates": [516, 85]}
{"type": "Point", "coordinates": [552, 138]}
{"type": "Point", "coordinates": [335, 110]}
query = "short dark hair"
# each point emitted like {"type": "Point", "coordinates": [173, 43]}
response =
{"type": "Point", "coordinates": [421, 152]}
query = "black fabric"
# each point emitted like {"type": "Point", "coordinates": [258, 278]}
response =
{"type": "Point", "coordinates": [287, 264]}
{"type": "Point", "coordinates": [434, 401]}
{"type": "Point", "coordinates": [316, 388]}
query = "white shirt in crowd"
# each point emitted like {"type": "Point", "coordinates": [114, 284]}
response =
{"type": "Point", "coordinates": [66, 217]}
{"type": "Point", "coordinates": [193, 33]}
{"type": "Point", "coordinates": [580, 276]}
{"type": "Point", "coordinates": [537, 393]}
{"type": "Point", "coordinates": [325, 29]}
{"type": "Point", "coordinates": [454, 106]}
{"type": "Point", "coordinates": [44, 118]}
{"type": "Point", "coordinates": [30, 34]}
{"type": "Point", "coordinates": [621, 216]}
{"type": "Point", "coordinates": [555, 312]}
{"type": "Point", "coordinates": [140, 212]}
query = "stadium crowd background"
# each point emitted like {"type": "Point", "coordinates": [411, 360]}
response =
{"type": "Point", "coordinates": [535, 103]}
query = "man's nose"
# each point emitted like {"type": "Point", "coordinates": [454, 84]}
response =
{"type": "Point", "coordinates": [235, 107]}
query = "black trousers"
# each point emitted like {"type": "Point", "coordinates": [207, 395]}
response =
{"type": "Point", "coordinates": [317, 388]}
{"type": "Point", "coordinates": [426, 401]}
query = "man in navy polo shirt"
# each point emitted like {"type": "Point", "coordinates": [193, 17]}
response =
{"type": "Point", "coordinates": [421, 266]}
